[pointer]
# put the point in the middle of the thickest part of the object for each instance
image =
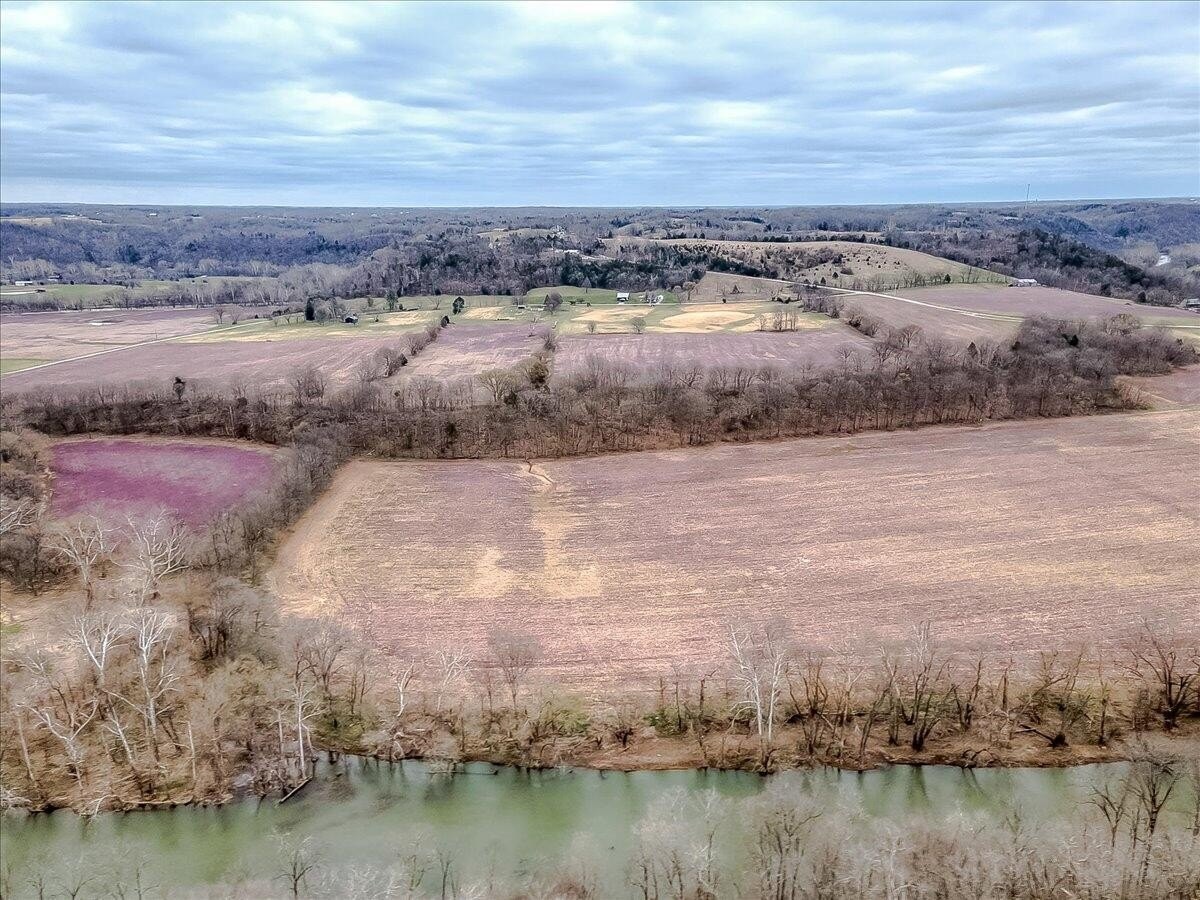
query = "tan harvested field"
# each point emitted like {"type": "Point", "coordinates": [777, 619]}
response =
{"type": "Point", "coordinates": [650, 352]}
{"type": "Point", "coordinates": [464, 350]}
{"type": "Point", "coordinates": [64, 335]}
{"type": "Point", "coordinates": [1048, 301]}
{"type": "Point", "coordinates": [257, 365]}
{"type": "Point", "coordinates": [1013, 537]}
{"type": "Point", "coordinates": [973, 312]}
{"type": "Point", "coordinates": [1180, 389]}
{"type": "Point", "coordinates": [933, 318]}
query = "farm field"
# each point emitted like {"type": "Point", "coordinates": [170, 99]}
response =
{"type": "Point", "coordinates": [1014, 538]}
{"type": "Point", "coordinates": [609, 317]}
{"type": "Point", "coordinates": [934, 318]}
{"type": "Point", "coordinates": [648, 352]}
{"type": "Point", "coordinates": [1047, 301]}
{"type": "Point", "coordinates": [16, 364]}
{"type": "Point", "coordinates": [971, 312]}
{"type": "Point", "coordinates": [256, 365]}
{"type": "Point", "coordinates": [193, 481]}
{"type": "Point", "coordinates": [63, 335]}
{"type": "Point", "coordinates": [370, 324]}
{"type": "Point", "coordinates": [1180, 389]}
{"type": "Point", "coordinates": [466, 350]}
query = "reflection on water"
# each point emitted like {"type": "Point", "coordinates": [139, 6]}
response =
{"type": "Point", "coordinates": [508, 821]}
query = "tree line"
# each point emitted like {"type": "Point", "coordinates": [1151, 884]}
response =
{"type": "Point", "coordinates": [1051, 368]}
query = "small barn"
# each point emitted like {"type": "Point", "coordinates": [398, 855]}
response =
{"type": "Point", "coordinates": [622, 296]}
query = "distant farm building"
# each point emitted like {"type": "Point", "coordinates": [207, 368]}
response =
{"type": "Point", "coordinates": [1191, 303]}
{"type": "Point", "coordinates": [622, 296]}
{"type": "Point", "coordinates": [1026, 282]}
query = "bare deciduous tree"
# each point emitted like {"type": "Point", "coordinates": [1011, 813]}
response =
{"type": "Point", "coordinates": [157, 548]}
{"type": "Point", "coordinates": [514, 655]}
{"type": "Point", "coordinates": [16, 514]}
{"type": "Point", "coordinates": [451, 665]}
{"type": "Point", "coordinates": [85, 543]}
{"type": "Point", "coordinates": [760, 664]}
{"type": "Point", "coordinates": [1174, 670]}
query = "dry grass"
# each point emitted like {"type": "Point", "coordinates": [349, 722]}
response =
{"type": "Point", "coordinates": [64, 335]}
{"type": "Point", "coordinates": [1047, 301]}
{"type": "Point", "coordinates": [1015, 537]}
{"type": "Point", "coordinates": [1179, 390]}
{"type": "Point", "coordinates": [964, 312]}
{"type": "Point", "coordinates": [650, 352]}
{"type": "Point", "coordinates": [933, 318]}
{"type": "Point", "coordinates": [257, 365]}
{"type": "Point", "coordinates": [466, 350]}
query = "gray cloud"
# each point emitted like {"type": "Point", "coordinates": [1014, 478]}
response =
{"type": "Point", "coordinates": [597, 103]}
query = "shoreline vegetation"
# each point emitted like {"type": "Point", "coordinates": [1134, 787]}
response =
{"type": "Point", "coordinates": [166, 672]}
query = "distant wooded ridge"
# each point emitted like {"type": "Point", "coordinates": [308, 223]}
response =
{"type": "Point", "coordinates": [1145, 250]}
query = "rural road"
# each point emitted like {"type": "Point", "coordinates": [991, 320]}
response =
{"type": "Point", "coordinates": [966, 312]}
{"type": "Point", "coordinates": [162, 340]}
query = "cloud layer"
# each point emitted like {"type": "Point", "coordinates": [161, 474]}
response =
{"type": "Point", "coordinates": [597, 103]}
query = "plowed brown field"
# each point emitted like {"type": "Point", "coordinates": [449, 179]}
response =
{"type": "Point", "coordinates": [259, 365]}
{"type": "Point", "coordinates": [1046, 301]}
{"type": "Point", "coordinates": [1016, 537]}
{"type": "Point", "coordinates": [462, 351]}
{"type": "Point", "coordinates": [649, 352]}
{"type": "Point", "coordinates": [963, 312]}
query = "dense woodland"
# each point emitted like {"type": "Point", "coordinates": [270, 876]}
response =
{"type": "Point", "coordinates": [295, 254]}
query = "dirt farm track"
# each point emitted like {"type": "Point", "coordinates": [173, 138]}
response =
{"type": "Point", "coordinates": [1011, 537]}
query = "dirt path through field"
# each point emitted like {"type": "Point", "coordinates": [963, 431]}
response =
{"type": "Point", "coordinates": [162, 340]}
{"type": "Point", "coordinates": [966, 312]}
{"type": "Point", "coordinates": [977, 314]}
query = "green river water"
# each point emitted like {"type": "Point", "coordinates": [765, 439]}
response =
{"type": "Point", "coordinates": [507, 821]}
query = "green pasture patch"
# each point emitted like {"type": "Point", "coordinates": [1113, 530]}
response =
{"type": "Point", "coordinates": [16, 364]}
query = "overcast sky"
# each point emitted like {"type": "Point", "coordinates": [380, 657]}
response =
{"type": "Point", "coordinates": [597, 103]}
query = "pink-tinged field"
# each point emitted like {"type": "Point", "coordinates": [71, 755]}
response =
{"type": "Point", "coordinates": [257, 365]}
{"type": "Point", "coordinates": [649, 352]}
{"type": "Point", "coordinates": [64, 335]}
{"type": "Point", "coordinates": [1013, 537]}
{"type": "Point", "coordinates": [467, 350]}
{"type": "Point", "coordinates": [192, 481]}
